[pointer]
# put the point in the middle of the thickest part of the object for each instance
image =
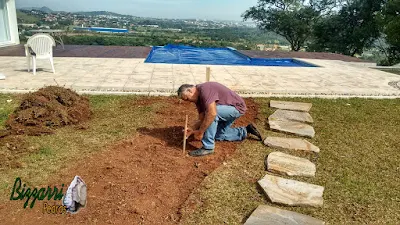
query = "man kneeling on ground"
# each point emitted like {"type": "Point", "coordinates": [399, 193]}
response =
{"type": "Point", "coordinates": [218, 108]}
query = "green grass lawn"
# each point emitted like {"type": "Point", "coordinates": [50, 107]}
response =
{"type": "Point", "coordinates": [8, 103]}
{"type": "Point", "coordinates": [358, 165]}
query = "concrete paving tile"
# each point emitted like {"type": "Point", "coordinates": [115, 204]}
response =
{"type": "Point", "coordinates": [112, 84]}
{"type": "Point", "coordinates": [85, 86]}
{"type": "Point", "coordinates": [141, 79]}
{"type": "Point", "coordinates": [144, 67]}
{"type": "Point", "coordinates": [116, 79]}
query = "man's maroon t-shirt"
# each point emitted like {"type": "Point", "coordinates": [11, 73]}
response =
{"type": "Point", "coordinates": [210, 92]}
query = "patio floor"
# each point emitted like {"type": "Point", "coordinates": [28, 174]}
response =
{"type": "Point", "coordinates": [333, 78]}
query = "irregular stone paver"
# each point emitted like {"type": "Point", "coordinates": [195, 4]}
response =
{"type": "Point", "coordinates": [290, 165]}
{"type": "Point", "coordinates": [267, 215]}
{"type": "Point", "coordinates": [296, 106]}
{"type": "Point", "coordinates": [292, 127]}
{"type": "Point", "coordinates": [290, 143]}
{"type": "Point", "coordinates": [281, 114]}
{"type": "Point", "coordinates": [291, 192]}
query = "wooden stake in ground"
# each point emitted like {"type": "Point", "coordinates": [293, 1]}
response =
{"type": "Point", "coordinates": [208, 74]}
{"type": "Point", "coordinates": [184, 135]}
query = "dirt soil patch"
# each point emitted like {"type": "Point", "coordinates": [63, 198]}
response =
{"type": "Point", "coordinates": [145, 179]}
{"type": "Point", "coordinates": [48, 108]}
{"type": "Point", "coordinates": [11, 149]}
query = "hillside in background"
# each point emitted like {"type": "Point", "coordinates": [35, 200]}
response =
{"type": "Point", "coordinates": [99, 13]}
{"type": "Point", "coordinates": [43, 9]}
{"type": "Point", "coordinates": [26, 18]}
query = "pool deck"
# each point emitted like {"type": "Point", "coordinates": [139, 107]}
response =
{"type": "Point", "coordinates": [334, 78]}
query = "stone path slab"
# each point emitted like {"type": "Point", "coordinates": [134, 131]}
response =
{"type": "Point", "coordinates": [281, 114]}
{"type": "Point", "coordinates": [291, 143]}
{"type": "Point", "coordinates": [267, 215]}
{"type": "Point", "coordinates": [296, 106]}
{"type": "Point", "coordinates": [292, 127]}
{"type": "Point", "coordinates": [291, 192]}
{"type": "Point", "coordinates": [285, 164]}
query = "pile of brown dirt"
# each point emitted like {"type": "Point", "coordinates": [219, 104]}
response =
{"type": "Point", "coordinates": [48, 108]}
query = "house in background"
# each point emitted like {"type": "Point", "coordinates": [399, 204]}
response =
{"type": "Point", "coordinates": [8, 23]}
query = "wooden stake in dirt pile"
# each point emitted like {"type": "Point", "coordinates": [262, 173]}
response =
{"type": "Point", "coordinates": [185, 134]}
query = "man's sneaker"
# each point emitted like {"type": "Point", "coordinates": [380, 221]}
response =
{"type": "Point", "coordinates": [251, 129]}
{"type": "Point", "coordinates": [201, 152]}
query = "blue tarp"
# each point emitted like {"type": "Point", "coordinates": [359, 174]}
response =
{"type": "Point", "coordinates": [180, 54]}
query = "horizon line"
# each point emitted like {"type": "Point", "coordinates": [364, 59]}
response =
{"type": "Point", "coordinates": [241, 21]}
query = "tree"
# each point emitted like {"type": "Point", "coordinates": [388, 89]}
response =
{"type": "Point", "coordinates": [66, 22]}
{"type": "Point", "coordinates": [390, 23]}
{"type": "Point", "coordinates": [292, 19]}
{"type": "Point", "coordinates": [354, 28]}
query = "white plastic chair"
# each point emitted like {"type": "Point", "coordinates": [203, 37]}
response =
{"type": "Point", "coordinates": [39, 46]}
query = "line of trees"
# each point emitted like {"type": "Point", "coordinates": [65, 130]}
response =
{"type": "Point", "coordinates": [121, 40]}
{"type": "Point", "coordinates": [340, 26]}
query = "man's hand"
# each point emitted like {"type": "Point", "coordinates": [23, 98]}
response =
{"type": "Point", "coordinates": [189, 132]}
{"type": "Point", "coordinates": [198, 135]}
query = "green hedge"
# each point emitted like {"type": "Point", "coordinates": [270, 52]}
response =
{"type": "Point", "coordinates": [120, 40]}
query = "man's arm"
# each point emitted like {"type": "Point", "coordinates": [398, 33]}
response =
{"type": "Point", "coordinates": [201, 116]}
{"type": "Point", "coordinates": [208, 118]}
{"type": "Point", "coordinates": [197, 125]}
{"type": "Point", "coordinates": [211, 113]}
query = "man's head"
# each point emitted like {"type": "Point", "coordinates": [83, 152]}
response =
{"type": "Point", "coordinates": [188, 92]}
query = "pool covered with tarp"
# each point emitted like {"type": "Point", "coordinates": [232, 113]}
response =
{"type": "Point", "coordinates": [180, 54]}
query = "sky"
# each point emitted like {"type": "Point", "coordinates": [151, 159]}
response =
{"type": "Point", "coordinates": [178, 9]}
